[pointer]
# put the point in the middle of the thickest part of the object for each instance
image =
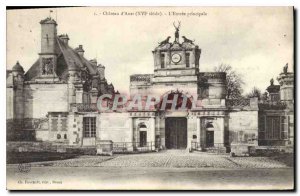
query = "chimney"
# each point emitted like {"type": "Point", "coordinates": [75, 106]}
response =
{"type": "Point", "coordinates": [101, 71]}
{"type": "Point", "coordinates": [48, 36]}
{"type": "Point", "coordinates": [64, 38]}
{"type": "Point", "coordinates": [80, 50]}
{"type": "Point", "coordinates": [94, 62]}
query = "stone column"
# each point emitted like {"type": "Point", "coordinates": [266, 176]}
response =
{"type": "Point", "coordinates": [189, 133]}
{"type": "Point", "coordinates": [151, 133]}
{"type": "Point", "coordinates": [79, 95]}
{"type": "Point", "coordinates": [198, 130]}
{"type": "Point", "coordinates": [131, 129]}
{"type": "Point", "coordinates": [219, 131]}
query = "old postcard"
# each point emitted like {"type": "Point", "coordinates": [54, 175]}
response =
{"type": "Point", "coordinates": [150, 98]}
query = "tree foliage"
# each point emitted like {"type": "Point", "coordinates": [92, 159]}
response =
{"type": "Point", "coordinates": [255, 92]}
{"type": "Point", "coordinates": [234, 81]}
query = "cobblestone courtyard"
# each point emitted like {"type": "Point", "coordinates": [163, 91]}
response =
{"type": "Point", "coordinates": [163, 170]}
{"type": "Point", "coordinates": [169, 159]}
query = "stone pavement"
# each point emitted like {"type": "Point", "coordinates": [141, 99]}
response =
{"type": "Point", "coordinates": [168, 159]}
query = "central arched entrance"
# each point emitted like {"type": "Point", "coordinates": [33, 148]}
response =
{"type": "Point", "coordinates": [176, 133]}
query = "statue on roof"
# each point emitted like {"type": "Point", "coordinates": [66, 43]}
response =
{"type": "Point", "coordinates": [176, 31]}
{"type": "Point", "coordinates": [187, 40]}
{"type": "Point", "coordinates": [47, 66]}
{"type": "Point", "coordinates": [166, 41]}
{"type": "Point", "coordinates": [272, 82]}
{"type": "Point", "coordinates": [285, 68]}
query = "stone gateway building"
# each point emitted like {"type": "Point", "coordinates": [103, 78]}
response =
{"type": "Point", "coordinates": [56, 101]}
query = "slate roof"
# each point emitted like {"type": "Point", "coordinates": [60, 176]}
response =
{"type": "Point", "coordinates": [67, 59]}
{"type": "Point", "coordinates": [18, 67]}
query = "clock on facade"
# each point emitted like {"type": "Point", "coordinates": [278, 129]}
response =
{"type": "Point", "coordinates": [176, 58]}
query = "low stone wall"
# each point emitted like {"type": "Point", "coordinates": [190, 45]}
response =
{"type": "Point", "coordinates": [247, 150]}
{"type": "Point", "coordinates": [49, 147]}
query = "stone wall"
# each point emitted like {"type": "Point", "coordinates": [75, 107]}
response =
{"type": "Point", "coordinates": [243, 127]}
{"type": "Point", "coordinates": [43, 98]}
{"type": "Point", "coordinates": [115, 126]}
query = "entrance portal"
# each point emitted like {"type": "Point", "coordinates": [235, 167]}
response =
{"type": "Point", "coordinates": [176, 133]}
{"type": "Point", "coordinates": [209, 135]}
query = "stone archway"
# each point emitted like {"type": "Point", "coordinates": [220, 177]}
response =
{"type": "Point", "coordinates": [184, 100]}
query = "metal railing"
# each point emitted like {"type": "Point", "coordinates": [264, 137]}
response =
{"type": "Point", "coordinates": [217, 148]}
{"type": "Point", "coordinates": [85, 107]}
{"type": "Point", "coordinates": [124, 147]}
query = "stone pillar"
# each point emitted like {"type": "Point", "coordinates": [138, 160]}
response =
{"type": "Point", "coordinates": [72, 129]}
{"type": "Point", "coordinates": [131, 129]}
{"type": "Point", "coordinates": [192, 58]}
{"type": "Point", "coordinates": [183, 60]}
{"type": "Point", "coordinates": [71, 88]}
{"type": "Point", "coordinates": [219, 131]}
{"type": "Point", "coordinates": [152, 132]}
{"type": "Point", "coordinates": [93, 95]}
{"type": "Point", "coordinates": [162, 127]}
{"type": "Point", "coordinates": [189, 133]}
{"type": "Point", "coordinates": [79, 93]}
{"type": "Point", "coordinates": [286, 81]}
{"type": "Point", "coordinates": [168, 59]}
{"type": "Point", "coordinates": [198, 130]}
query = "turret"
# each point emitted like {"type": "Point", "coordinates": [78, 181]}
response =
{"type": "Point", "coordinates": [17, 97]}
{"type": "Point", "coordinates": [80, 50]}
{"type": "Point", "coordinates": [18, 69]}
{"type": "Point", "coordinates": [101, 71]}
{"type": "Point", "coordinates": [286, 81]}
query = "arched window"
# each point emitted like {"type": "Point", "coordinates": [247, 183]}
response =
{"type": "Point", "coordinates": [65, 136]}
{"type": "Point", "coordinates": [58, 136]}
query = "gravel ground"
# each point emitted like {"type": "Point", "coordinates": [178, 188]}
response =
{"type": "Point", "coordinates": [168, 159]}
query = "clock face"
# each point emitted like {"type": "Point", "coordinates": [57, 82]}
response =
{"type": "Point", "coordinates": [176, 58]}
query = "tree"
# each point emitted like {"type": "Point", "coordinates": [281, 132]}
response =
{"type": "Point", "coordinates": [255, 92]}
{"type": "Point", "coordinates": [234, 81]}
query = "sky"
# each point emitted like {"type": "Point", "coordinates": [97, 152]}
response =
{"type": "Point", "coordinates": [256, 41]}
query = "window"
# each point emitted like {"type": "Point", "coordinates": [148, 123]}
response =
{"type": "Point", "coordinates": [64, 124]}
{"type": "Point", "coordinates": [58, 136]}
{"type": "Point", "coordinates": [89, 127]}
{"type": "Point", "coordinates": [54, 124]}
{"type": "Point", "coordinates": [187, 59]}
{"type": "Point", "coordinates": [162, 60]}
{"type": "Point", "coordinates": [65, 136]}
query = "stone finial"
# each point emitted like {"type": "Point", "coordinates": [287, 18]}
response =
{"type": "Point", "coordinates": [272, 82]}
{"type": "Point", "coordinates": [285, 69]}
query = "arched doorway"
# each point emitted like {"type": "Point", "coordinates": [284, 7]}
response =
{"type": "Point", "coordinates": [142, 128]}
{"type": "Point", "coordinates": [209, 134]}
{"type": "Point", "coordinates": [176, 133]}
